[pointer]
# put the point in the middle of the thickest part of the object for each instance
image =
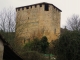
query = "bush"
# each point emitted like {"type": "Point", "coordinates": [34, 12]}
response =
{"type": "Point", "coordinates": [68, 46]}
{"type": "Point", "coordinates": [32, 55]}
{"type": "Point", "coordinates": [37, 45]}
{"type": "Point", "coordinates": [44, 44]}
{"type": "Point", "coordinates": [33, 45]}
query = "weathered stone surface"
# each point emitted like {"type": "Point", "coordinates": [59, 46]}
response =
{"type": "Point", "coordinates": [35, 21]}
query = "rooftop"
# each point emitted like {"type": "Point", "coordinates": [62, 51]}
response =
{"type": "Point", "coordinates": [40, 4]}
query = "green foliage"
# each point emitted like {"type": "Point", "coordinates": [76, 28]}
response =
{"type": "Point", "coordinates": [37, 45]}
{"type": "Point", "coordinates": [32, 55]}
{"type": "Point", "coordinates": [44, 44]}
{"type": "Point", "coordinates": [44, 39]}
{"type": "Point", "coordinates": [8, 36]}
{"type": "Point", "coordinates": [33, 45]}
{"type": "Point", "coordinates": [68, 46]}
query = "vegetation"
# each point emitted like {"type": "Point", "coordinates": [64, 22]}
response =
{"type": "Point", "coordinates": [33, 55]}
{"type": "Point", "coordinates": [67, 47]}
{"type": "Point", "coordinates": [33, 45]}
{"type": "Point", "coordinates": [37, 45]}
{"type": "Point", "coordinates": [7, 20]}
{"type": "Point", "coordinates": [7, 24]}
{"type": "Point", "coordinates": [73, 23]}
{"type": "Point", "coordinates": [8, 36]}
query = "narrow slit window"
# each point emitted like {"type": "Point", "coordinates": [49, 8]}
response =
{"type": "Point", "coordinates": [28, 18]}
{"type": "Point", "coordinates": [54, 31]}
{"type": "Point", "coordinates": [40, 5]}
{"type": "Point", "coordinates": [24, 41]}
{"type": "Point", "coordinates": [46, 7]}
{"type": "Point", "coordinates": [31, 6]}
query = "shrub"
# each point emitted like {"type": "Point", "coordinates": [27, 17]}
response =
{"type": "Point", "coordinates": [32, 55]}
{"type": "Point", "coordinates": [68, 46]}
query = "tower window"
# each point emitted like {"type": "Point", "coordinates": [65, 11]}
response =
{"type": "Point", "coordinates": [22, 8]}
{"type": "Point", "coordinates": [54, 31]}
{"type": "Point", "coordinates": [18, 9]}
{"type": "Point", "coordinates": [40, 5]}
{"type": "Point", "coordinates": [28, 18]}
{"type": "Point", "coordinates": [46, 7]}
{"type": "Point", "coordinates": [35, 6]}
{"type": "Point", "coordinates": [24, 41]}
{"type": "Point", "coordinates": [27, 7]}
{"type": "Point", "coordinates": [31, 6]}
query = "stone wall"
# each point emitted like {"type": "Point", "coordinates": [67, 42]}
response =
{"type": "Point", "coordinates": [35, 21]}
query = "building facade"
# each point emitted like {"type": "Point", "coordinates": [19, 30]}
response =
{"type": "Point", "coordinates": [37, 20]}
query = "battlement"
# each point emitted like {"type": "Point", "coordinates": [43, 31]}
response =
{"type": "Point", "coordinates": [37, 5]}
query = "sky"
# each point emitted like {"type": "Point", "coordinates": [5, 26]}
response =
{"type": "Point", "coordinates": [68, 7]}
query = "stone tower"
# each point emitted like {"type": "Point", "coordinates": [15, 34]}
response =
{"type": "Point", "coordinates": [37, 20]}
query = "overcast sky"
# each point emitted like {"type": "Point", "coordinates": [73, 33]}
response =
{"type": "Point", "coordinates": [68, 7]}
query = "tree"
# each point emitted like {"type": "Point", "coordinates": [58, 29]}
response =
{"type": "Point", "coordinates": [7, 18]}
{"type": "Point", "coordinates": [73, 22]}
{"type": "Point", "coordinates": [7, 24]}
{"type": "Point", "coordinates": [67, 47]}
{"type": "Point", "coordinates": [44, 44]}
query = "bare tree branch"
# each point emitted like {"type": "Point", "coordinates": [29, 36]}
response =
{"type": "Point", "coordinates": [7, 18]}
{"type": "Point", "coordinates": [73, 22]}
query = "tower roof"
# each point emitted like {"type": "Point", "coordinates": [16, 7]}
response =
{"type": "Point", "coordinates": [40, 4]}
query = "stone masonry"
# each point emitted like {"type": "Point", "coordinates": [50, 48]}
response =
{"type": "Point", "coordinates": [37, 20]}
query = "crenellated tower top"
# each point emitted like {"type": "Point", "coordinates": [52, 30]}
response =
{"type": "Point", "coordinates": [35, 5]}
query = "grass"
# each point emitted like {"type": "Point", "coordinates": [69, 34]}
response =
{"type": "Point", "coordinates": [50, 56]}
